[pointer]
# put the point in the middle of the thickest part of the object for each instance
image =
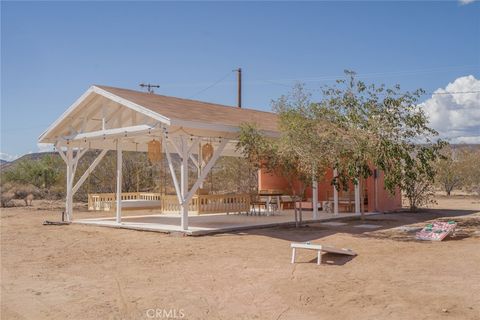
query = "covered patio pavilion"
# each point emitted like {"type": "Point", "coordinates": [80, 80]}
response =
{"type": "Point", "coordinates": [108, 118]}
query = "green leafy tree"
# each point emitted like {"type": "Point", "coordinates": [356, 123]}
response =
{"type": "Point", "coordinates": [383, 127]}
{"type": "Point", "coordinates": [354, 127]}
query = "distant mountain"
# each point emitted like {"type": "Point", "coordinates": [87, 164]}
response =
{"type": "Point", "coordinates": [4, 163]}
{"type": "Point", "coordinates": [36, 156]}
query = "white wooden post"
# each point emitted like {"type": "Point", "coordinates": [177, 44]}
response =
{"type": "Point", "coordinates": [172, 169]}
{"type": "Point", "coordinates": [357, 197]}
{"type": "Point", "coordinates": [200, 162]}
{"type": "Point", "coordinates": [119, 183]}
{"type": "Point", "coordinates": [69, 199]}
{"type": "Point", "coordinates": [335, 195]}
{"type": "Point", "coordinates": [375, 176]}
{"type": "Point", "coordinates": [315, 196]}
{"type": "Point", "coordinates": [184, 183]}
{"type": "Point", "coordinates": [183, 194]}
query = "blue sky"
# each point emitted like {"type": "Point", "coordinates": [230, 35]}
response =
{"type": "Point", "coordinates": [51, 52]}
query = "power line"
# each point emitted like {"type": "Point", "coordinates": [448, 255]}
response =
{"type": "Point", "coordinates": [369, 75]}
{"type": "Point", "coordinates": [277, 83]}
{"type": "Point", "coordinates": [212, 85]}
{"type": "Point", "coordinates": [455, 92]}
{"type": "Point", "coordinates": [426, 93]}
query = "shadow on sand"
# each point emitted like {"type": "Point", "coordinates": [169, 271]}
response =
{"type": "Point", "coordinates": [400, 226]}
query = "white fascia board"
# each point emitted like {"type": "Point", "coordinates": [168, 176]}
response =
{"type": "Point", "coordinates": [84, 96]}
{"type": "Point", "coordinates": [131, 105]}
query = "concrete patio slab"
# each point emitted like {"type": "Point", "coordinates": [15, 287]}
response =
{"type": "Point", "coordinates": [207, 224]}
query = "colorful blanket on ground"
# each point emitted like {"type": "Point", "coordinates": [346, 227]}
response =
{"type": "Point", "coordinates": [436, 231]}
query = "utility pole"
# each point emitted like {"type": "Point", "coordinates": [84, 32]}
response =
{"type": "Point", "coordinates": [149, 87]}
{"type": "Point", "coordinates": [239, 78]}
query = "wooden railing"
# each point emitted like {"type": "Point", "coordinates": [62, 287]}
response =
{"type": "Point", "coordinates": [170, 204]}
{"type": "Point", "coordinates": [200, 204]}
{"type": "Point", "coordinates": [223, 203]}
{"type": "Point", "coordinates": [107, 201]}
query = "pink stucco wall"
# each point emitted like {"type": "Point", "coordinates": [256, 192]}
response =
{"type": "Point", "coordinates": [385, 201]}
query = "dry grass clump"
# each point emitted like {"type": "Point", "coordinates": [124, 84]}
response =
{"type": "Point", "coordinates": [11, 191]}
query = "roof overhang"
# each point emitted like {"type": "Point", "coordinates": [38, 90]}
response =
{"type": "Point", "coordinates": [98, 119]}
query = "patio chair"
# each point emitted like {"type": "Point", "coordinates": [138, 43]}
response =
{"type": "Point", "coordinates": [274, 205]}
{"type": "Point", "coordinates": [257, 202]}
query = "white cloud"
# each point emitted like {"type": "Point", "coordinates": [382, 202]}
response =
{"type": "Point", "coordinates": [44, 147]}
{"type": "Point", "coordinates": [466, 1]}
{"type": "Point", "coordinates": [456, 116]}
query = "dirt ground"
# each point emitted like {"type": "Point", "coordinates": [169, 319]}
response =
{"type": "Point", "coordinates": [86, 272]}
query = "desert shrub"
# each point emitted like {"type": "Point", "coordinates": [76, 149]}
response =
{"type": "Point", "coordinates": [29, 199]}
{"type": "Point", "coordinates": [6, 194]}
{"type": "Point", "coordinates": [6, 199]}
{"type": "Point", "coordinates": [25, 192]}
{"type": "Point", "coordinates": [37, 177]}
{"type": "Point", "coordinates": [458, 169]}
{"type": "Point", "coordinates": [472, 171]}
{"type": "Point", "coordinates": [54, 193]}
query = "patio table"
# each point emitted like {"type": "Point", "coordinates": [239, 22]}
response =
{"type": "Point", "coordinates": [269, 196]}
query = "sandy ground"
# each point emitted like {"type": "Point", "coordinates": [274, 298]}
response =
{"type": "Point", "coordinates": [84, 272]}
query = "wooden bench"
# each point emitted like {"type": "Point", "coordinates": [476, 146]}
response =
{"type": "Point", "coordinates": [319, 248]}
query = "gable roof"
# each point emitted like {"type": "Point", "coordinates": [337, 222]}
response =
{"type": "Point", "coordinates": [102, 107]}
{"type": "Point", "coordinates": [197, 111]}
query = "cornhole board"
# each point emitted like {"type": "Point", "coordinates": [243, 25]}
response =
{"type": "Point", "coordinates": [436, 231]}
{"type": "Point", "coordinates": [320, 248]}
